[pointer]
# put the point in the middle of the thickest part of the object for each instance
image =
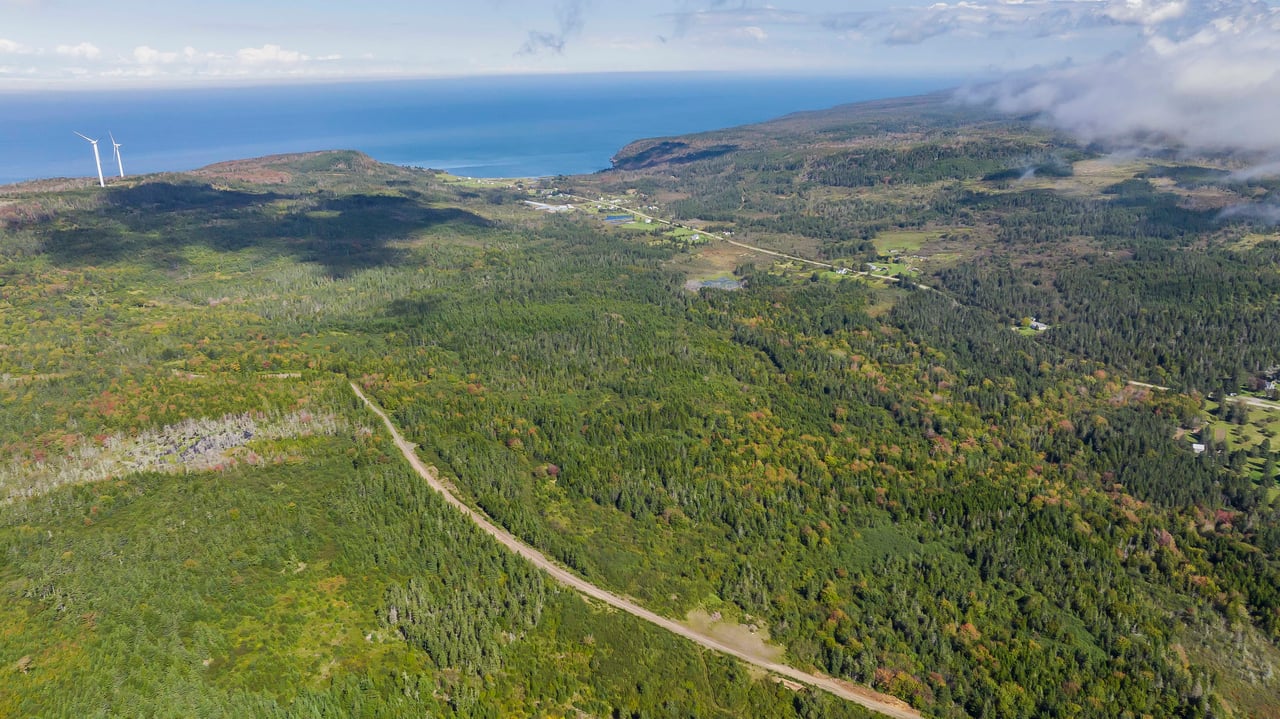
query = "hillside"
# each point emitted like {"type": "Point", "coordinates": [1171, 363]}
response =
{"type": "Point", "coordinates": [905, 484]}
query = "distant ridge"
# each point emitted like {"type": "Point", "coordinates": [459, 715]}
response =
{"type": "Point", "coordinates": [904, 116]}
{"type": "Point", "coordinates": [280, 169]}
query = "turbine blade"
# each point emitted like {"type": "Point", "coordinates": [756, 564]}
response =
{"type": "Point", "coordinates": [84, 138]}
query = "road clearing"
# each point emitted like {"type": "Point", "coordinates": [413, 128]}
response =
{"type": "Point", "coordinates": [1242, 399]}
{"type": "Point", "coordinates": [1135, 383]}
{"type": "Point", "coordinates": [875, 701]}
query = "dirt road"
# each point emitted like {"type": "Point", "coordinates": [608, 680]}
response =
{"type": "Point", "coordinates": [1245, 399]}
{"type": "Point", "coordinates": [883, 703]}
{"type": "Point", "coordinates": [1259, 403]}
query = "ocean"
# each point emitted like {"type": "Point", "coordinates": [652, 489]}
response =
{"type": "Point", "coordinates": [478, 127]}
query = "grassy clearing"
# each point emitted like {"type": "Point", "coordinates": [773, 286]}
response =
{"type": "Point", "coordinates": [681, 233]}
{"type": "Point", "coordinates": [1252, 239]}
{"type": "Point", "coordinates": [1088, 178]}
{"type": "Point", "coordinates": [895, 269]}
{"type": "Point", "coordinates": [1262, 424]}
{"type": "Point", "coordinates": [883, 299]}
{"type": "Point", "coordinates": [904, 240]}
{"type": "Point", "coordinates": [715, 260]}
{"type": "Point", "coordinates": [900, 269]}
{"type": "Point", "coordinates": [478, 182]}
{"type": "Point", "coordinates": [946, 259]}
{"type": "Point", "coordinates": [751, 638]}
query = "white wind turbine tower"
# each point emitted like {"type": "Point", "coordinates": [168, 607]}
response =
{"type": "Point", "coordinates": [116, 146]}
{"type": "Point", "coordinates": [97, 158]}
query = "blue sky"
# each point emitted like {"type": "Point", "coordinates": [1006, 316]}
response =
{"type": "Point", "coordinates": [74, 43]}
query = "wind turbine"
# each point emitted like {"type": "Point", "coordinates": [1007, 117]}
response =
{"type": "Point", "coordinates": [97, 158]}
{"type": "Point", "coordinates": [116, 146]}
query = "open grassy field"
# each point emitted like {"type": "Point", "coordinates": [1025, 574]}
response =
{"type": "Point", "coordinates": [479, 182]}
{"type": "Point", "coordinates": [1252, 239]}
{"type": "Point", "coordinates": [904, 241]}
{"type": "Point", "coordinates": [1262, 425]}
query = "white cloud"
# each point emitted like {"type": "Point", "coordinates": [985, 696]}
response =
{"type": "Point", "coordinates": [270, 55]}
{"type": "Point", "coordinates": [9, 47]}
{"type": "Point", "coordinates": [1267, 169]}
{"type": "Point", "coordinates": [1266, 214]}
{"type": "Point", "coordinates": [1024, 18]}
{"type": "Point", "coordinates": [144, 55]}
{"type": "Point", "coordinates": [83, 51]}
{"type": "Point", "coordinates": [1146, 12]}
{"type": "Point", "coordinates": [1207, 77]}
{"type": "Point", "coordinates": [958, 36]}
{"type": "Point", "coordinates": [738, 22]}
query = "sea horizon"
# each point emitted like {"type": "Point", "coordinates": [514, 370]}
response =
{"type": "Point", "coordinates": [491, 126]}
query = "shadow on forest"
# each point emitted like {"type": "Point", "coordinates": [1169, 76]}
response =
{"type": "Point", "coordinates": [152, 222]}
{"type": "Point", "coordinates": [159, 197]}
{"type": "Point", "coordinates": [415, 311]}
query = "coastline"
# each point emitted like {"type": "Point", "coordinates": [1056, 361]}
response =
{"type": "Point", "coordinates": [522, 126]}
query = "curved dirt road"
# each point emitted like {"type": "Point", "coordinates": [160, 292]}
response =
{"type": "Point", "coordinates": [883, 703]}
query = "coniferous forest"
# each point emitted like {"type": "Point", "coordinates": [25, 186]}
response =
{"type": "Point", "coordinates": [1006, 450]}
